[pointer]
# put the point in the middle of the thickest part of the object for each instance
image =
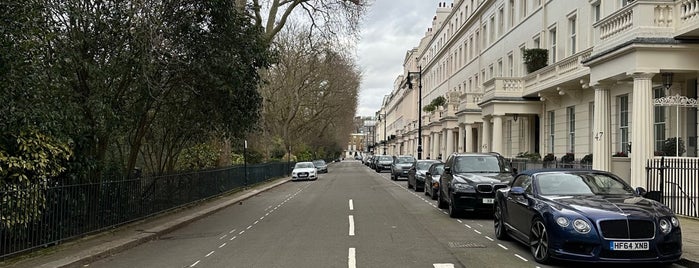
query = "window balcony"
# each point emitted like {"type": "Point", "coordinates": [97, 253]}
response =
{"type": "Point", "coordinates": [648, 19]}
{"type": "Point", "coordinates": [503, 87]}
{"type": "Point", "coordinates": [565, 70]}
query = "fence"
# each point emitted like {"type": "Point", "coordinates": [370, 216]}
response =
{"type": "Point", "coordinates": [46, 215]}
{"type": "Point", "coordinates": [522, 164]}
{"type": "Point", "coordinates": [675, 183]}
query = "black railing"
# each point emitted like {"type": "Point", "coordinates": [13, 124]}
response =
{"type": "Point", "coordinates": [46, 215]}
{"type": "Point", "coordinates": [675, 183]}
{"type": "Point", "coordinates": [522, 164]}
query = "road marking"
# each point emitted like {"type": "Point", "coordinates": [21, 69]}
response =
{"type": "Point", "coordinates": [241, 232]}
{"type": "Point", "coordinates": [469, 226]}
{"type": "Point", "coordinates": [249, 226]}
{"type": "Point", "coordinates": [443, 265]}
{"type": "Point", "coordinates": [351, 225]}
{"type": "Point", "coordinates": [489, 238]}
{"type": "Point", "coordinates": [352, 258]}
{"type": "Point", "coordinates": [521, 257]}
{"type": "Point", "coordinates": [478, 232]}
{"type": "Point", "coordinates": [262, 218]}
{"type": "Point", "coordinates": [233, 238]}
{"type": "Point", "coordinates": [503, 247]}
{"type": "Point", "coordinates": [207, 255]}
{"type": "Point", "coordinates": [222, 245]}
{"type": "Point", "coordinates": [351, 205]}
{"type": "Point", "coordinates": [224, 236]}
{"type": "Point", "coordinates": [231, 231]}
{"type": "Point", "coordinates": [460, 221]}
{"type": "Point", "coordinates": [194, 264]}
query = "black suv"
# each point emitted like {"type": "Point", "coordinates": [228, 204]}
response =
{"type": "Point", "coordinates": [401, 165]}
{"type": "Point", "coordinates": [470, 180]}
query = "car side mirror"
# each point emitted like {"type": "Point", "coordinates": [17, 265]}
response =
{"type": "Point", "coordinates": [641, 191]}
{"type": "Point", "coordinates": [514, 171]}
{"type": "Point", "coordinates": [447, 170]}
{"type": "Point", "coordinates": [517, 191]}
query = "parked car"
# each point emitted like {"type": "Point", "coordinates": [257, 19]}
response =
{"type": "Point", "coordinates": [416, 174]}
{"type": "Point", "coordinates": [321, 166]}
{"type": "Point", "coordinates": [470, 180]}
{"type": "Point", "coordinates": [304, 171]}
{"type": "Point", "coordinates": [383, 162]}
{"type": "Point", "coordinates": [400, 166]}
{"type": "Point", "coordinates": [432, 179]}
{"type": "Point", "coordinates": [586, 215]}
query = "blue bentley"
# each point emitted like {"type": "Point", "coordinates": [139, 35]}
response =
{"type": "Point", "coordinates": [585, 215]}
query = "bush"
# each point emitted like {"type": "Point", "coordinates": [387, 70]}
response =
{"type": "Point", "coordinates": [530, 156]}
{"type": "Point", "coordinates": [620, 154]}
{"type": "Point", "coordinates": [568, 158]}
{"type": "Point", "coordinates": [549, 157]}
{"type": "Point", "coordinates": [535, 59]}
{"type": "Point", "coordinates": [586, 160]}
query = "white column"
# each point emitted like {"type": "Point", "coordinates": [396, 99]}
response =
{"type": "Point", "coordinates": [450, 144]}
{"type": "Point", "coordinates": [497, 134]}
{"type": "Point", "coordinates": [460, 143]}
{"type": "Point", "coordinates": [642, 139]}
{"type": "Point", "coordinates": [602, 141]}
{"type": "Point", "coordinates": [485, 142]}
{"type": "Point", "coordinates": [468, 138]}
{"type": "Point", "coordinates": [435, 145]}
{"type": "Point", "coordinates": [426, 146]}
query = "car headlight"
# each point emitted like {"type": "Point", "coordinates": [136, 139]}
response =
{"type": "Point", "coordinates": [665, 226]}
{"type": "Point", "coordinates": [563, 221]}
{"type": "Point", "coordinates": [581, 226]}
{"type": "Point", "coordinates": [675, 222]}
{"type": "Point", "coordinates": [463, 187]}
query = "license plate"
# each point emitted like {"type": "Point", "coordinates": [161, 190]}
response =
{"type": "Point", "coordinates": [488, 200]}
{"type": "Point", "coordinates": [303, 175]}
{"type": "Point", "coordinates": [636, 245]}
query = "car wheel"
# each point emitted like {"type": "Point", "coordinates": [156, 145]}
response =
{"type": "Point", "coordinates": [499, 224]}
{"type": "Point", "coordinates": [539, 242]}
{"type": "Point", "coordinates": [417, 189]}
{"type": "Point", "coordinates": [452, 211]}
{"type": "Point", "coordinates": [440, 201]}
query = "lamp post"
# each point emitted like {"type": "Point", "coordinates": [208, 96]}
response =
{"type": "Point", "coordinates": [419, 108]}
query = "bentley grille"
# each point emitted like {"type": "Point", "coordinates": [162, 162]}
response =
{"type": "Point", "coordinates": [627, 229]}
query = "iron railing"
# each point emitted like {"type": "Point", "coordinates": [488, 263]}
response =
{"type": "Point", "coordinates": [674, 181]}
{"type": "Point", "coordinates": [46, 215]}
{"type": "Point", "coordinates": [522, 164]}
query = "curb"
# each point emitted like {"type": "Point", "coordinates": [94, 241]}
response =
{"type": "Point", "coordinates": [90, 255]}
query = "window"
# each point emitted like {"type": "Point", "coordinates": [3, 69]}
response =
{"type": "Point", "coordinates": [659, 120]}
{"type": "Point", "coordinates": [623, 102]}
{"type": "Point", "coordinates": [552, 130]}
{"type": "Point", "coordinates": [490, 71]}
{"type": "Point", "coordinates": [523, 6]}
{"type": "Point", "coordinates": [501, 21]}
{"type": "Point", "coordinates": [512, 13]}
{"type": "Point", "coordinates": [596, 12]}
{"type": "Point", "coordinates": [626, 2]}
{"type": "Point", "coordinates": [552, 38]}
{"type": "Point", "coordinates": [570, 114]}
{"type": "Point", "coordinates": [492, 29]}
{"type": "Point", "coordinates": [573, 34]}
{"type": "Point", "coordinates": [537, 42]}
{"type": "Point", "coordinates": [510, 65]}
{"type": "Point", "coordinates": [522, 65]}
{"type": "Point", "coordinates": [500, 71]}
{"type": "Point", "coordinates": [484, 42]}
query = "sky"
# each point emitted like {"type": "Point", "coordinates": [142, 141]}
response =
{"type": "Point", "coordinates": [390, 29]}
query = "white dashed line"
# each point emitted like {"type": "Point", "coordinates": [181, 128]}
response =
{"type": "Point", "coordinates": [256, 222]}
{"type": "Point", "coordinates": [351, 205]}
{"type": "Point", "coordinates": [262, 218]}
{"type": "Point", "coordinates": [241, 232]}
{"type": "Point", "coordinates": [351, 225]}
{"type": "Point", "coordinates": [207, 255]}
{"type": "Point", "coordinates": [478, 232]}
{"type": "Point", "coordinates": [491, 240]}
{"type": "Point", "coordinates": [443, 265]}
{"type": "Point", "coordinates": [460, 221]}
{"type": "Point", "coordinates": [222, 245]}
{"type": "Point", "coordinates": [231, 231]}
{"type": "Point", "coordinates": [249, 226]}
{"type": "Point", "coordinates": [522, 258]}
{"type": "Point", "coordinates": [352, 258]}
{"type": "Point", "coordinates": [194, 264]}
{"type": "Point", "coordinates": [503, 247]}
{"type": "Point", "coordinates": [224, 236]}
{"type": "Point", "coordinates": [232, 238]}
{"type": "Point", "coordinates": [469, 226]}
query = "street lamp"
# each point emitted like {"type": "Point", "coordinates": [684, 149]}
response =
{"type": "Point", "coordinates": [385, 141]}
{"type": "Point", "coordinates": [419, 108]}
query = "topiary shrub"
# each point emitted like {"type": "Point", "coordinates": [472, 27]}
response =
{"type": "Point", "coordinates": [568, 158]}
{"type": "Point", "coordinates": [535, 59]}
{"type": "Point", "coordinates": [549, 157]}
{"type": "Point", "coordinates": [670, 144]}
{"type": "Point", "coordinates": [586, 160]}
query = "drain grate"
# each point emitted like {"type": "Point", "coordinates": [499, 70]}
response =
{"type": "Point", "coordinates": [465, 245]}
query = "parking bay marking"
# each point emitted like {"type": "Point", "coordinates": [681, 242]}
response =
{"type": "Point", "coordinates": [351, 225]}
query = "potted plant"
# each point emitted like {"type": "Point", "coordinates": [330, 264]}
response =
{"type": "Point", "coordinates": [535, 59]}
{"type": "Point", "coordinates": [586, 160]}
{"type": "Point", "coordinates": [620, 154]}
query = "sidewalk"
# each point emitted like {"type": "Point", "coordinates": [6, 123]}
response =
{"type": "Point", "coordinates": [85, 250]}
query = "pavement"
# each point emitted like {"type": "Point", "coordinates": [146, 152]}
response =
{"type": "Point", "coordinates": [80, 252]}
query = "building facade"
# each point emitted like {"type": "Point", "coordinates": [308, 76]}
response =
{"type": "Point", "coordinates": [619, 80]}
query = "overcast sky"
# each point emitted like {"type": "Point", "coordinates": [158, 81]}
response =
{"type": "Point", "coordinates": [390, 29]}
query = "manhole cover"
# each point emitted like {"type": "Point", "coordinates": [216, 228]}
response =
{"type": "Point", "coordinates": [465, 245]}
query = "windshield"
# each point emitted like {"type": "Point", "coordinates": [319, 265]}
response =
{"type": "Point", "coordinates": [424, 165]}
{"type": "Point", "coordinates": [477, 164]}
{"type": "Point", "coordinates": [319, 162]}
{"type": "Point", "coordinates": [581, 184]}
{"type": "Point", "coordinates": [405, 160]}
{"type": "Point", "coordinates": [385, 158]}
{"type": "Point", "coordinates": [304, 165]}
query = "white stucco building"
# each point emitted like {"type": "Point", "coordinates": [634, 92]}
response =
{"type": "Point", "coordinates": [608, 61]}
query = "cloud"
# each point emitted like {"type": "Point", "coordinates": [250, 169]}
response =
{"type": "Point", "coordinates": [389, 31]}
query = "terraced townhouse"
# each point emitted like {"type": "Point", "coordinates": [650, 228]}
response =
{"type": "Point", "coordinates": [618, 79]}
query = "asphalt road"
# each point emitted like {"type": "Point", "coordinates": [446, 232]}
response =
{"type": "Point", "coordinates": [350, 217]}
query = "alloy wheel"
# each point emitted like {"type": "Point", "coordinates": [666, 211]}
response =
{"type": "Point", "coordinates": [539, 242]}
